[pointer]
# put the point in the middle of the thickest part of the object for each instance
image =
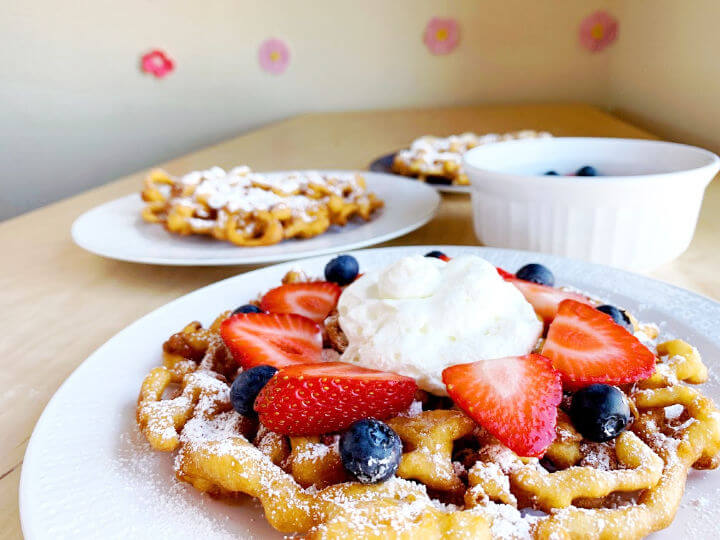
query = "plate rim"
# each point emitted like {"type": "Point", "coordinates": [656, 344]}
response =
{"type": "Point", "coordinates": [261, 259]}
{"type": "Point", "coordinates": [23, 502]}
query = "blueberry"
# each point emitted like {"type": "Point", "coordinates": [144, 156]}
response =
{"type": "Point", "coordinates": [552, 173]}
{"type": "Point", "coordinates": [587, 170]}
{"type": "Point", "coordinates": [435, 254]}
{"type": "Point", "coordinates": [246, 387]}
{"type": "Point", "coordinates": [370, 450]}
{"type": "Point", "coordinates": [247, 308]}
{"type": "Point", "coordinates": [342, 270]}
{"type": "Point", "coordinates": [618, 315]}
{"type": "Point", "coordinates": [600, 412]}
{"type": "Point", "coordinates": [537, 273]}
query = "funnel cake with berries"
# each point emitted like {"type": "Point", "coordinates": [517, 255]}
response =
{"type": "Point", "coordinates": [590, 433]}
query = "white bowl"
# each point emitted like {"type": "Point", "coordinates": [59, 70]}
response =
{"type": "Point", "coordinates": [640, 214]}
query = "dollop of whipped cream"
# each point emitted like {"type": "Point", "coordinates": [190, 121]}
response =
{"type": "Point", "coordinates": [420, 315]}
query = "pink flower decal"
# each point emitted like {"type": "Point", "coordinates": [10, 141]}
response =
{"type": "Point", "coordinates": [441, 35]}
{"type": "Point", "coordinates": [274, 56]}
{"type": "Point", "coordinates": [598, 30]}
{"type": "Point", "coordinates": [157, 63]}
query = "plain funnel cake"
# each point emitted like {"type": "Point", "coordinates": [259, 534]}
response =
{"type": "Point", "coordinates": [253, 209]}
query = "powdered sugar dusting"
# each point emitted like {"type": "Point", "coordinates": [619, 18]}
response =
{"type": "Point", "coordinates": [176, 506]}
{"type": "Point", "coordinates": [359, 512]}
{"type": "Point", "coordinates": [599, 456]}
{"type": "Point", "coordinates": [312, 452]}
{"type": "Point", "coordinates": [429, 154]}
{"type": "Point", "coordinates": [507, 522]}
{"type": "Point", "coordinates": [213, 196]}
{"type": "Point", "coordinates": [415, 408]}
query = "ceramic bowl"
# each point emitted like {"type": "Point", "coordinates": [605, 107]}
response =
{"type": "Point", "coordinates": [639, 213]}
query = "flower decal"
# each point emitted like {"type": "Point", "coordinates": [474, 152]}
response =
{"type": "Point", "coordinates": [157, 63]}
{"type": "Point", "coordinates": [441, 35]}
{"type": "Point", "coordinates": [274, 56]}
{"type": "Point", "coordinates": [598, 30]}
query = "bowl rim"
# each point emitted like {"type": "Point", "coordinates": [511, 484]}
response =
{"type": "Point", "coordinates": [713, 161]}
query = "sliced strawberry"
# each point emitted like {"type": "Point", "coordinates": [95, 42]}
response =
{"type": "Point", "coordinates": [586, 346]}
{"type": "Point", "coordinates": [504, 273]}
{"type": "Point", "coordinates": [314, 299]}
{"type": "Point", "coordinates": [544, 299]}
{"type": "Point", "coordinates": [514, 398]}
{"type": "Point", "coordinates": [319, 398]}
{"type": "Point", "coordinates": [271, 339]}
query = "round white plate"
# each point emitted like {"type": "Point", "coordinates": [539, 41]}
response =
{"type": "Point", "coordinates": [87, 472]}
{"type": "Point", "coordinates": [383, 164]}
{"type": "Point", "coordinates": [116, 230]}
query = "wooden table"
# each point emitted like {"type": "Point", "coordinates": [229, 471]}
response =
{"type": "Point", "coordinates": [60, 303]}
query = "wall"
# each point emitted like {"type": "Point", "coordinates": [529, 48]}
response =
{"type": "Point", "coordinates": [664, 73]}
{"type": "Point", "coordinates": [76, 112]}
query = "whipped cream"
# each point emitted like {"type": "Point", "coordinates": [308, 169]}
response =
{"type": "Point", "coordinates": [420, 315]}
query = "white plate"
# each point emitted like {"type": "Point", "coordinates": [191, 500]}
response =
{"type": "Point", "coordinates": [383, 164]}
{"type": "Point", "coordinates": [117, 231]}
{"type": "Point", "coordinates": [87, 473]}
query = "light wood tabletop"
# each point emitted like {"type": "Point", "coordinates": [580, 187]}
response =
{"type": "Point", "coordinates": [60, 303]}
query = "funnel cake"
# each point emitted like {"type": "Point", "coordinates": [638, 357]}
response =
{"type": "Point", "coordinates": [455, 479]}
{"type": "Point", "coordinates": [438, 160]}
{"type": "Point", "coordinates": [253, 209]}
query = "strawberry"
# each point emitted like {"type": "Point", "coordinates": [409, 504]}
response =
{"type": "Point", "coordinates": [319, 398]}
{"type": "Point", "coordinates": [544, 299]}
{"type": "Point", "coordinates": [504, 273]}
{"type": "Point", "coordinates": [513, 398]}
{"type": "Point", "coordinates": [314, 299]}
{"type": "Point", "coordinates": [586, 346]}
{"type": "Point", "coordinates": [270, 339]}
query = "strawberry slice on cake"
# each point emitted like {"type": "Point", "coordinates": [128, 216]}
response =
{"type": "Point", "coordinates": [544, 299]}
{"type": "Point", "coordinates": [586, 346]}
{"type": "Point", "coordinates": [321, 398]}
{"type": "Point", "coordinates": [272, 339]}
{"type": "Point", "coordinates": [314, 300]}
{"type": "Point", "coordinates": [513, 398]}
{"type": "Point", "coordinates": [504, 273]}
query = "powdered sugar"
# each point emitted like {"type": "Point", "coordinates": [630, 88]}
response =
{"type": "Point", "coordinates": [242, 191]}
{"type": "Point", "coordinates": [176, 506]}
{"type": "Point", "coordinates": [599, 456]}
{"type": "Point", "coordinates": [647, 334]}
{"type": "Point", "coordinates": [673, 412]}
{"type": "Point", "coordinates": [358, 516]}
{"type": "Point", "coordinates": [507, 522]}
{"type": "Point", "coordinates": [312, 452]}
{"type": "Point", "coordinates": [429, 154]}
{"type": "Point", "coordinates": [415, 408]}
